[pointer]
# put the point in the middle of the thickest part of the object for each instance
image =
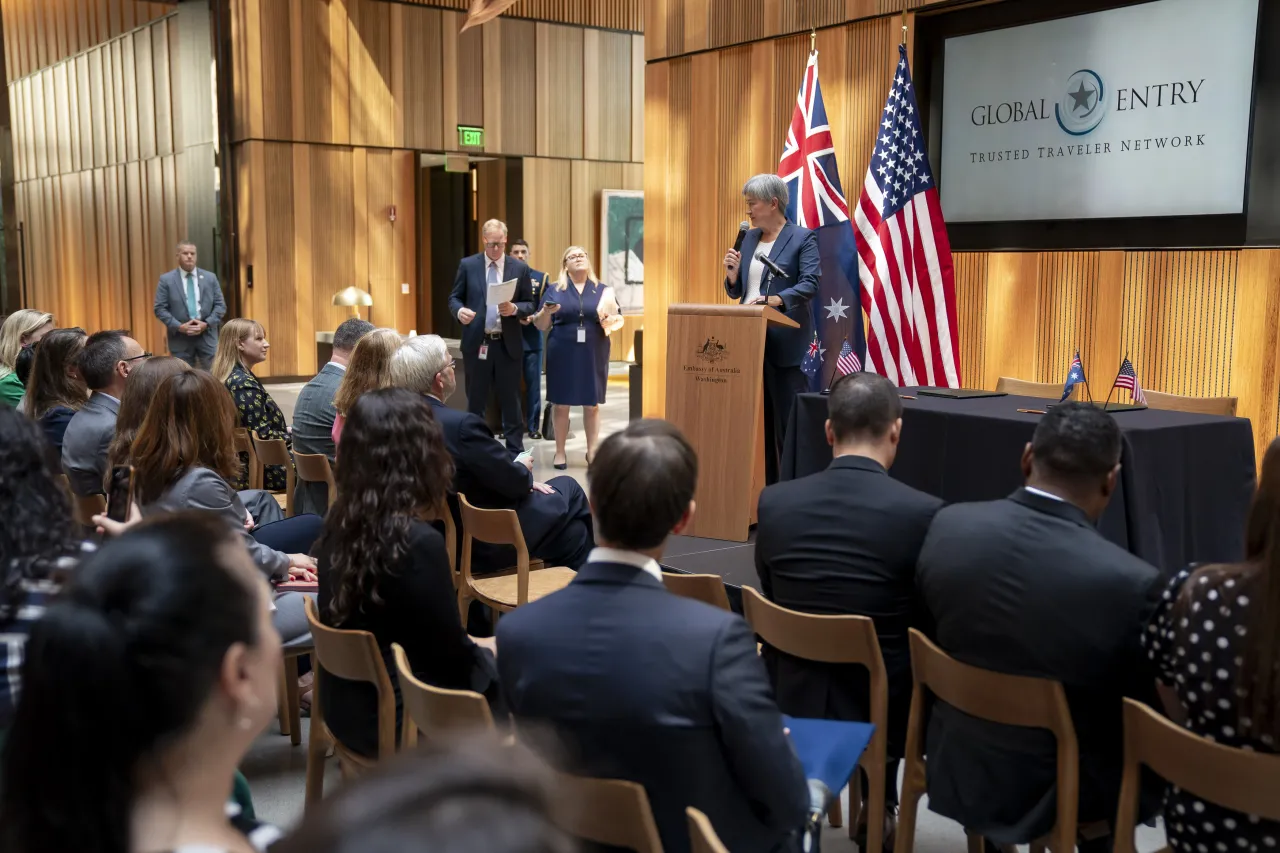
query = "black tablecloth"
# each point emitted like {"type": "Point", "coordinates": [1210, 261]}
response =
{"type": "Point", "coordinates": [1185, 483]}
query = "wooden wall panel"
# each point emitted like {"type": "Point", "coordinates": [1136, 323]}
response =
{"type": "Point", "coordinates": [559, 92]}
{"type": "Point", "coordinates": [626, 15]}
{"type": "Point", "coordinates": [40, 33]}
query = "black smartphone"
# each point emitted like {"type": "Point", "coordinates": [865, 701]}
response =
{"type": "Point", "coordinates": [120, 493]}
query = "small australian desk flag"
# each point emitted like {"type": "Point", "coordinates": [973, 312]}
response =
{"type": "Point", "coordinates": [1074, 375]}
{"type": "Point", "coordinates": [812, 364]}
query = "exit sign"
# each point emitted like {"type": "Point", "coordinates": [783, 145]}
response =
{"type": "Point", "coordinates": [470, 137]}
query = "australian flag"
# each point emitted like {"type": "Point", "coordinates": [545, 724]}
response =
{"type": "Point", "coordinates": [1075, 375]}
{"type": "Point", "coordinates": [812, 364]}
{"type": "Point", "coordinates": [808, 165]}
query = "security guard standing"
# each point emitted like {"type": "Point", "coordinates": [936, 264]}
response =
{"type": "Point", "coordinates": [532, 344]}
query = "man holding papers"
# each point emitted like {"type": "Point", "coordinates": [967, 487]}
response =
{"type": "Point", "coordinates": [491, 293]}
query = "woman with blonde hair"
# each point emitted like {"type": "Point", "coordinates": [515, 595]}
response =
{"type": "Point", "coordinates": [23, 328]}
{"type": "Point", "coordinates": [242, 345]}
{"type": "Point", "coordinates": [580, 313]}
{"type": "Point", "coordinates": [368, 370]}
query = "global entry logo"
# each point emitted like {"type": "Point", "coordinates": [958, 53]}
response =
{"type": "Point", "coordinates": [1084, 104]}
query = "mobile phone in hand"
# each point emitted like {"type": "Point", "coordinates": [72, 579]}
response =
{"type": "Point", "coordinates": [120, 493]}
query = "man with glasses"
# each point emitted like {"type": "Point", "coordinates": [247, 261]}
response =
{"type": "Point", "coordinates": [492, 342]}
{"type": "Point", "coordinates": [105, 363]}
{"type": "Point", "coordinates": [189, 302]}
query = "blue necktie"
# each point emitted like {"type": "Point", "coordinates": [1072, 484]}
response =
{"type": "Point", "coordinates": [491, 311]}
{"type": "Point", "coordinates": [193, 305]}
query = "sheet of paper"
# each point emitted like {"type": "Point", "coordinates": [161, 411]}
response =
{"type": "Point", "coordinates": [499, 293]}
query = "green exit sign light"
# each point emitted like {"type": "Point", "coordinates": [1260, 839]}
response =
{"type": "Point", "coordinates": [470, 137]}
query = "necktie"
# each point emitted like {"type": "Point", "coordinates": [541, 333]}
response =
{"type": "Point", "coordinates": [193, 305]}
{"type": "Point", "coordinates": [491, 311]}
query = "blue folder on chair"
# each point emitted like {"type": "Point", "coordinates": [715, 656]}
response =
{"type": "Point", "coordinates": [829, 749]}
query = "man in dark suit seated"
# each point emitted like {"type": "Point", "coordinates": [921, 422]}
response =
{"type": "Point", "coordinates": [846, 540]}
{"type": "Point", "coordinates": [647, 686]}
{"type": "Point", "coordinates": [1027, 586]}
{"type": "Point", "coordinates": [555, 517]}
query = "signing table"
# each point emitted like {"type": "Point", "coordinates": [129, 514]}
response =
{"type": "Point", "coordinates": [1185, 481]}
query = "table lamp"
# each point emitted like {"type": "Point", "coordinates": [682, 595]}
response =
{"type": "Point", "coordinates": [353, 297]}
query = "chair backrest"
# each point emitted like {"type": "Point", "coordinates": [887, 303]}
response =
{"type": "Point", "coordinates": [1200, 405]}
{"type": "Point", "coordinates": [273, 451]}
{"type": "Point", "coordinates": [354, 655]}
{"type": "Point", "coordinates": [87, 506]}
{"type": "Point", "coordinates": [607, 811]}
{"type": "Point", "coordinates": [1027, 388]}
{"type": "Point", "coordinates": [1013, 700]}
{"type": "Point", "coordinates": [445, 517]}
{"type": "Point", "coordinates": [244, 444]}
{"type": "Point", "coordinates": [435, 711]}
{"type": "Point", "coordinates": [496, 527]}
{"type": "Point", "coordinates": [1242, 781]}
{"type": "Point", "coordinates": [702, 835]}
{"type": "Point", "coordinates": [315, 468]}
{"type": "Point", "coordinates": [708, 588]}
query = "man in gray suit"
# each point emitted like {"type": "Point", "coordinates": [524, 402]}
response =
{"type": "Point", "coordinates": [313, 414]}
{"type": "Point", "coordinates": [105, 363]}
{"type": "Point", "coordinates": [189, 302]}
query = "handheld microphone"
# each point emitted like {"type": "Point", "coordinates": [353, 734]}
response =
{"type": "Point", "coordinates": [773, 268]}
{"type": "Point", "coordinates": [742, 233]}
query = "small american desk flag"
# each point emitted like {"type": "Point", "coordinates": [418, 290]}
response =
{"type": "Point", "coordinates": [1128, 378]}
{"type": "Point", "coordinates": [848, 361]}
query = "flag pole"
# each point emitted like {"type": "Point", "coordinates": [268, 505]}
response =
{"type": "Point", "coordinates": [1083, 373]}
{"type": "Point", "coordinates": [813, 41]}
{"type": "Point", "coordinates": [904, 21]}
{"type": "Point", "coordinates": [1113, 384]}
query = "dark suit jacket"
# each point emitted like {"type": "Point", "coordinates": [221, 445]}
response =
{"type": "Point", "coordinates": [1028, 586]}
{"type": "Point", "coordinates": [313, 417]}
{"type": "Point", "coordinates": [470, 290]}
{"type": "Point", "coordinates": [844, 540]}
{"type": "Point", "coordinates": [665, 691]}
{"type": "Point", "coordinates": [532, 334]}
{"type": "Point", "coordinates": [796, 252]}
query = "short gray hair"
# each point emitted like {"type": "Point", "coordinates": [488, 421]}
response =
{"type": "Point", "coordinates": [767, 188]}
{"type": "Point", "coordinates": [349, 333]}
{"type": "Point", "coordinates": [415, 365]}
{"type": "Point", "coordinates": [493, 226]}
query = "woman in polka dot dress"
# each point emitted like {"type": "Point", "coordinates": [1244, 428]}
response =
{"type": "Point", "coordinates": [1215, 640]}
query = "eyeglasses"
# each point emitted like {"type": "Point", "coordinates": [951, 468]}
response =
{"type": "Point", "coordinates": [496, 244]}
{"type": "Point", "coordinates": [451, 363]}
{"type": "Point", "coordinates": [136, 357]}
{"type": "Point", "coordinates": [580, 256]}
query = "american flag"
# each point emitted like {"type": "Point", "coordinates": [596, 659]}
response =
{"type": "Point", "coordinates": [817, 202]}
{"type": "Point", "coordinates": [1128, 378]}
{"type": "Point", "coordinates": [848, 361]}
{"type": "Point", "coordinates": [904, 256]}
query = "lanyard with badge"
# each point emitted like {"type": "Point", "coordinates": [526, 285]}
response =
{"type": "Point", "coordinates": [582, 331]}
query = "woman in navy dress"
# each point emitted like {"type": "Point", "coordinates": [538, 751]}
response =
{"type": "Point", "coordinates": [580, 313]}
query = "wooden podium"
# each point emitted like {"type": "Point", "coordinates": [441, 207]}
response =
{"type": "Point", "coordinates": [715, 395]}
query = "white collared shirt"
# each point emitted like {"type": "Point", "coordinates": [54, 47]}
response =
{"type": "Point", "coordinates": [630, 558]}
{"type": "Point", "coordinates": [195, 277]}
{"type": "Point", "coordinates": [341, 367]}
{"type": "Point", "coordinates": [501, 264]}
{"type": "Point", "coordinates": [1042, 493]}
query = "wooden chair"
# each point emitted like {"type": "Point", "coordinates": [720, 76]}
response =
{"type": "Point", "coordinates": [1012, 700]}
{"type": "Point", "coordinates": [1026, 388]}
{"type": "Point", "coordinates": [87, 506]}
{"type": "Point", "coordinates": [290, 704]}
{"type": "Point", "coordinates": [1225, 406]}
{"type": "Point", "coordinates": [274, 451]}
{"type": "Point", "coordinates": [352, 655]}
{"type": "Point", "coordinates": [445, 517]}
{"type": "Point", "coordinates": [244, 444]}
{"type": "Point", "coordinates": [607, 811]}
{"type": "Point", "coordinates": [707, 588]}
{"type": "Point", "coordinates": [1243, 781]}
{"type": "Point", "coordinates": [436, 712]}
{"type": "Point", "coordinates": [315, 468]}
{"type": "Point", "coordinates": [507, 590]}
{"type": "Point", "coordinates": [702, 835]}
{"type": "Point", "coordinates": [836, 639]}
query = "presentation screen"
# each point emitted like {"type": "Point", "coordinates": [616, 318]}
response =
{"type": "Point", "coordinates": [1132, 112]}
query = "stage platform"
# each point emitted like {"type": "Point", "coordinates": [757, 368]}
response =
{"type": "Point", "coordinates": [734, 562]}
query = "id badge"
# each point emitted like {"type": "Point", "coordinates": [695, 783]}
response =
{"type": "Point", "coordinates": [582, 335]}
{"type": "Point", "coordinates": [484, 352]}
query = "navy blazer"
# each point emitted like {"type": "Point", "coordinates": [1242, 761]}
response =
{"type": "Point", "coordinates": [661, 690]}
{"type": "Point", "coordinates": [796, 253]}
{"type": "Point", "coordinates": [532, 334]}
{"type": "Point", "coordinates": [470, 290]}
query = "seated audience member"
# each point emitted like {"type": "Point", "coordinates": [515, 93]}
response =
{"type": "Point", "coordinates": [385, 570]}
{"type": "Point", "coordinates": [1027, 586]}
{"type": "Point", "coordinates": [648, 686]}
{"type": "Point", "coordinates": [846, 540]}
{"type": "Point", "coordinates": [20, 332]}
{"type": "Point", "coordinates": [554, 516]}
{"type": "Point", "coordinates": [370, 368]}
{"type": "Point", "coordinates": [38, 542]}
{"type": "Point", "coordinates": [145, 683]}
{"type": "Point", "coordinates": [139, 391]}
{"type": "Point", "coordinates": [1214, 641]}
{"type": "Point", "coordinates": [313, 414]}
{"type": "Point", "coordinates": [184, 458]}
{"type": "Point", "coordinates": [56, 390]}
{"type": "Point", "coordinates": [105, 363]}
{"type": "Point", "coordinates": [242, 344]}
{"type": "Point", "coordinates": [475, 795]}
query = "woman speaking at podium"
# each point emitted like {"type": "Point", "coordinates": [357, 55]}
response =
{"type": "Point", "coordinates": [782, 272]}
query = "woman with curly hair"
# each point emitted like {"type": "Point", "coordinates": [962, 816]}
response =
{"type": "Point", "coordinates": [385, 570]}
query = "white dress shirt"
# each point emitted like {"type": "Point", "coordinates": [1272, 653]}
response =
{"type": "Point", "coordinates": [630, 558]}
{"type": "Point", "coordinates": [1042, 493]}
{"type": "Point", "coordinates": [756, 271]}
{"type": "Point", "coordinates": [501, 264]}
{"type": "Point", "coordinates": [195, 278]}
